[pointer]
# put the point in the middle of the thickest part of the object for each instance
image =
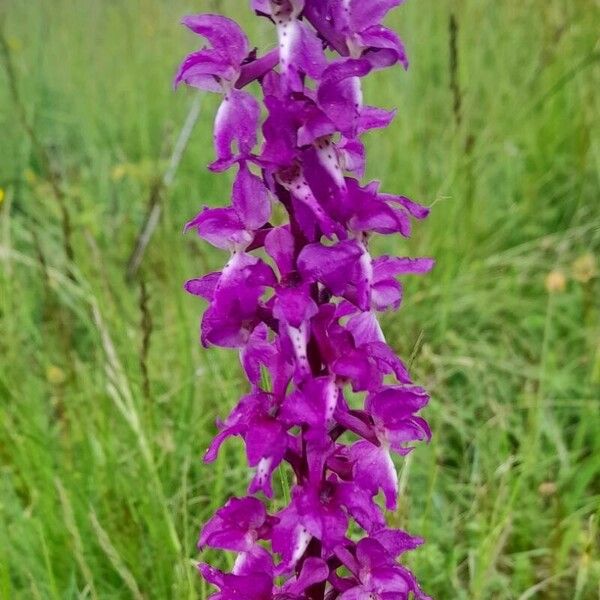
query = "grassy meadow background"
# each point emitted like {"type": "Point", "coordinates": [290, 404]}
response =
{"type": "Point", "coordinates": [107, 402]}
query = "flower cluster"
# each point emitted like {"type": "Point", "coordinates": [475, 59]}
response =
{"type": "Point", "coordinates": [298, 298]}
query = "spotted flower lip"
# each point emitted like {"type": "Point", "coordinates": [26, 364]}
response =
{"type": "Point", "coordinates": [328, 407]}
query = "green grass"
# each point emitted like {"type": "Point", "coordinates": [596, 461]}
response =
{"type": "Point", "coordinates": [102, 489]}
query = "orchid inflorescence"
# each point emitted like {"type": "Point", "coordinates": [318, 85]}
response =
{"type": "Point", "coordinates": [299, 300]}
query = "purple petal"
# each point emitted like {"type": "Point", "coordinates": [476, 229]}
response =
{"type": "Point", "coordinates": [356, 367]}
{"type": "Point", "coordinates": [319, 15]}
{"type": "Point", "coordinates": [353, 156]}
{"type": "Point", "coordinates": [374, 118]}
{"type": "Point", "coordinates": [204, 70]}
{"type": "Point", "coordinates": [374, 469]}
{"type": "Point", "coordinates": [236, 123]}
{"type": "Point", "coordinates": [256, 560]}
{"type": "Point", "coordinates": [225, 328]}
{"type": "Point", "coordinates": [313, 406]}
{"type": "Point", "coordinates": [237, 422]}
{"type": "Point", "coordinates": [265, 438]}
{"type": "Point", "coordinates": [416, 210]}
{"type": "Point", "coordinates": [396, 541]}
{"type": "Point", "coordinates": [266, 443]}
{"type": "Point", "coordinates": [290, 537]}
{"type": "Point", "coordinates": [364, 14]}
{"type": "Point", "coordinates": [256, 69]}
{"type": "Point", "coordinates": [314, 570]}
{"type": "Point", "coordinates": [385, 48]}
{"type": "Point", "coordinates": [256, 353]}
{"type": "Point", "coordinates": [300, 51]}
{"type": "Point", "coordinates": [371, 554]}
{"type": "Point", "coordinates": [326, 522]}
{"type": "Point", "coordinates": [413, 429]}
{"type": "Point", "coordinates": [294, 306]}
{"type": "Point", "coordinates": [357, 593]}
{"type": "Point", "coordinates": [304, 196]}
{"type": "Point", "coordinates": [380, 218]}
{"type": "Point", "coordinates": [365, 328]}
{"type": "Point", "coordinates": [385, 267]}
{"type": "Point", "coordinates": [387, 361]}
{"type": "Point", "coordinates": [279, 245]}
{"type": "Point", "coordinates": [396, 402]}
{"type": "Point", "coordinates": [228, 529]}
{"type": "Point", "coordinates": [212, 575]}
{"type": "Point", "coordinates": [386, 294]}
{"type": "Point", "coordinates": [213, 450]}
{"type": "Point", "coordinates": [204, 286]}
{"type": "Point", "coordinates": [261, 6]}
{"type": "Point", "coordinates": [251, 199]}
{"type": "Point", "coordinates": [360, 505]}
{"type": "Point", "coordinates": [245, 587]}
{"type": "Point", "coordinates": [221, 227]}
{"type": "Point", "coordinates": [280, 132]}
{"type": "Point", "coordinates": [243, 280]}
{"type": "Point", "coordinates": [224, 35]}
{"type": "Point", "coordinates": [339, 94]}
{"type": "Point", "coordinates": [316, 125]}
{"type": "Point", "coordinates": [329, 264]}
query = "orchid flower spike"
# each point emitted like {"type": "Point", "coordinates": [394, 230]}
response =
{"type": "Point", "coordinates": [328, 402]}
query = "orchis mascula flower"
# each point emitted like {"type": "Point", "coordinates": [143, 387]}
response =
{"type": "Point", "coordinates": [299, 300]}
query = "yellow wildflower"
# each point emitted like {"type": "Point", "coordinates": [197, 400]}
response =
{"type": "Point", "coordinates": [556, 282]}
{"type": "Point", "coordinates": [118, 172]}
{"type": "Point", "coordinates": [55, 375]}
{"type": "Point", "coordinates": [584, 268]}
{"type": "Point", "coordinates": [547, 488]}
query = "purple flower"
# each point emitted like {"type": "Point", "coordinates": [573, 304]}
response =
{"type": "Point", "coordinates": [256, 586]}
{"type": "Point", "coordinates": [265, 438]}
{"type": "Point", "coordinates": [392, 411]}
{"type": "Point", "coordinates": [219, 69]}
{"type": "Point", "coordinates": [376, 575]}
{"type": "Point", "coordinates": [235, 297]}
{"type": "Point", "coordinates": [327, 401]}
{"type": "Point", "coordinates": [234, 228]}
{"type": "Point", "coordinates": [353, 28]}
{"type": "Point", "coordinates": [313, 571]}
{"type": "Point", "coordinates": [312, 513]}
{"type": "Point", "coordinates": [237, 526]}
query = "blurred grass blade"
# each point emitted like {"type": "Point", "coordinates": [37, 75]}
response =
{"type": "Point", "coordinates": [115, 559]}
{"type": "Point", "coordinates": [159, 188]}
{"type": "Point", "coordinates": [78, 547]}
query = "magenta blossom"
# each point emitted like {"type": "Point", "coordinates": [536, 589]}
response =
{"type": "Point", "coordinates": [328, 404]}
